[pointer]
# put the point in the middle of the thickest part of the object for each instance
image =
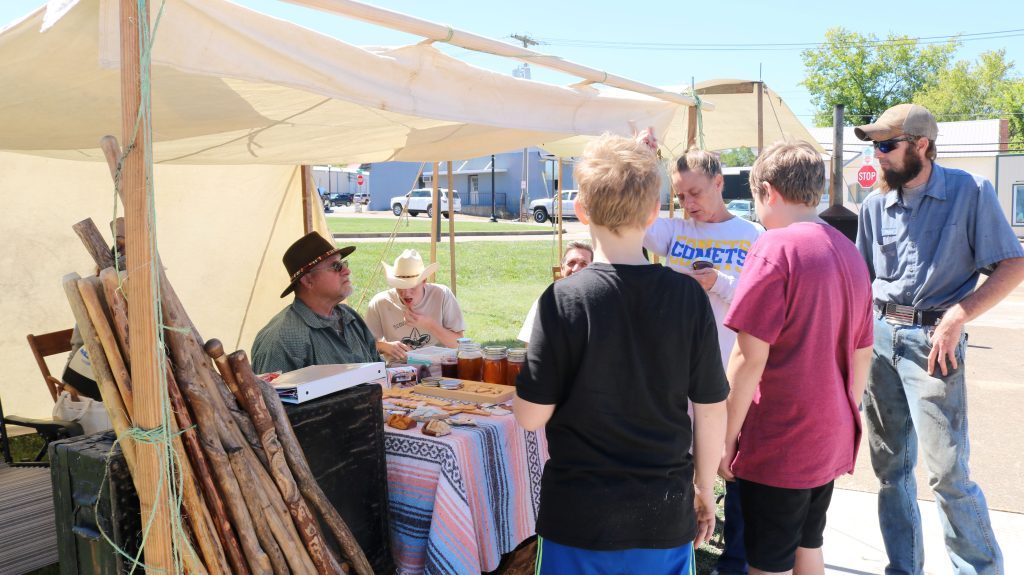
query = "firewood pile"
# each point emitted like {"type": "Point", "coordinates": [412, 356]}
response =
{"type": "Point", "coordinates": [250, 503]}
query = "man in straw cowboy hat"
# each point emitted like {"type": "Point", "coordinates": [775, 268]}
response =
{"type": "Point", "coordinates": [413, 313]}
{"type": "Point", "coordinates": [316, 328]}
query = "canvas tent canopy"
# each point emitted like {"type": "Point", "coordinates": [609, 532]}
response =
{"type": "Point", "coordinates": [239, 100]}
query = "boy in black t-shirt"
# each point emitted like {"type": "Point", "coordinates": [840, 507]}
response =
{"type": "Point", "coordinates": [617, 350]}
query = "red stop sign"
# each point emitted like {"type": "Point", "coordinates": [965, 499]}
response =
{"type": "Point", "coordinates": [359, 179]}
{"type": "Point", "coordinates": [867, 176]}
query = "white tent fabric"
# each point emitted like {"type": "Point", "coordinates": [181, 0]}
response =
{"type": "Point", "coordinates": [733, 124]}
{"type": "Point", "coordinates": [221, 232]}
{"type": "Point", "coordinates": [239, 99]}
{"type": "Point", "coordinates": [233, 86]}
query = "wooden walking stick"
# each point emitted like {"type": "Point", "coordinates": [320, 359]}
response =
{"type": "Point", "coordinates": [297, 461]}
{"type": "Point", "coordinates": [279, 540]}
{"type": "Point", "coordinates": [104, 378]}
{"type": "Point", "coordinates": [209, 437]}
{"type": "Point", "coordinates": [306, 523]}
{"type": "Point", "coordinates": [197, 512]}
{"type": "Point", "coordinates": [215, 505]}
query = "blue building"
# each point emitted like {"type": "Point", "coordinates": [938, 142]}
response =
{"type": "Point", "coordinates": [472, 179]}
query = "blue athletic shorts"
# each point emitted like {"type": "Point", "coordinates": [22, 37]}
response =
{"type": "Point", "coordinates": [556, 559]}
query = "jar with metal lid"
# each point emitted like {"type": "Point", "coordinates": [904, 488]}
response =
{"type": "Point", "coordinates": [450, 364]}
{"type": "Point", "coordinates": [470, 360]}
{"type": "Point", "coordinates": [494, 364]}
{"type": "Point", "coordinates": [516, 359]}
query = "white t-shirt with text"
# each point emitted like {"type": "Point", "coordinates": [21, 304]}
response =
{"type": "Point", "coordinates": [726, 244]}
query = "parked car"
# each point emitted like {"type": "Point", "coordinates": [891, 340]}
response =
{"type": "Point", "coordinates": [341, 199]}
{"type": "Point", "coordinates": [543, 211]}
{"type": "Point", "coordinates": [743, 209]}
{"type": "Point", "coordinates": [362, 199]}
{"type": "Point", "coordinates": [420, 199]}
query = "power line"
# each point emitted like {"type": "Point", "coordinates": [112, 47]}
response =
{"type": "Point", "coordinates": [776, 46]}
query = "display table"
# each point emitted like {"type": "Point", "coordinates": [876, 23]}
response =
{"type": "Point", "coordinates": [458, 502]}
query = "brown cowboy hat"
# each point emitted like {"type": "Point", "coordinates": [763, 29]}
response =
{"type": "Point", "coordinates": [305, 253]}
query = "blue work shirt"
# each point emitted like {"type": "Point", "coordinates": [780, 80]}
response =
{"type": "Point", "coordinates": [930, 257]}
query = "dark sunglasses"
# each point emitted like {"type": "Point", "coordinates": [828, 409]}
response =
{"type": "Point", "coordinates": [886, 146]}
{"type": "Point", "coordinates": [337, 266]}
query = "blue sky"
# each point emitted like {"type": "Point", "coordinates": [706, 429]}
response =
{"type": "Point", "coordinates": [571, 27]}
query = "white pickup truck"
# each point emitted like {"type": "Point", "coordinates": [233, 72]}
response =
{"type": "Point", "coordinates": [543, 209]}
{"type": "Point", "coordinates": [420, 201]}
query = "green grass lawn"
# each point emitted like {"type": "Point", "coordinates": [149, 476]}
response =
{"type": "Point", "coordinates": [421, 224]}
{"type": "Point", "coordinates": [496, 282]}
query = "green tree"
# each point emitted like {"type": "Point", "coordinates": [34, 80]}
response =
{"type": "Point", "coordinates": [737, 157]}
{"type": "Point", "coordinates": [868, 75]}
{"type": "Point", "coordinates": [985, 89]}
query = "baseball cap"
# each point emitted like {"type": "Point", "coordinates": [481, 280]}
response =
{"type": "Point", "coordinates": [903, 119]}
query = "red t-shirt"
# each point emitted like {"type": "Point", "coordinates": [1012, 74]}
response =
{"type": "Point", "coordinates": [805, 290]}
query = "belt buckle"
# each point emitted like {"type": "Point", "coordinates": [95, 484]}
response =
{"type": "Point", "coordinates": [899, 314]}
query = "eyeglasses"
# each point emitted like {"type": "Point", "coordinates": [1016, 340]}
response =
{"type": "Point", "coordinates": [337, 266]}
{"type": "Point", "coordinates": [886, 146]}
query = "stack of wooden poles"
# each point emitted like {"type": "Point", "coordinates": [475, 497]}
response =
{"type": "Point", "coordinates": [249, 500]}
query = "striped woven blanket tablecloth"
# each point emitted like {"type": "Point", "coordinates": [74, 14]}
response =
{"type": "Point", "coordinates": [458, 502]}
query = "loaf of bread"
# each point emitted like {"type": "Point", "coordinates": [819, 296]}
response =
{"type": "Point", "coordinates": [399, 421]}
{"type": "Point", "coordinates": [436, 428]}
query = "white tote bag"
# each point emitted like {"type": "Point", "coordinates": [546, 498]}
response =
{"type": "Point", "coordinates": [87, 412]}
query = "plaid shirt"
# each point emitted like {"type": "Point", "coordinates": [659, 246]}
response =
{"type": "Point", "coordinates": [297, 337]}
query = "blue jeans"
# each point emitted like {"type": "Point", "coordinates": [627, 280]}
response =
{"type": "Point", "coordinates": [905, 408]}
{"type": "Point", "coordinates": [733, 560]}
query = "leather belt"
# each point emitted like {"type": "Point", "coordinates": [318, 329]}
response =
{"type": "Point", "coordinates": [907, 315]}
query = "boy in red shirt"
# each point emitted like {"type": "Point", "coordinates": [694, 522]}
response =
{"type": "Point", "coordinates": [803, 315]}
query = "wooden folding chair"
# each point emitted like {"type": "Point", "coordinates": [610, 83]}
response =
{"type": "Point", "coordinates": [42, 346]}
{"type": "Point", "coordinates": [556, 273]}
{"type": "Point", "coordinates": [45, 345]}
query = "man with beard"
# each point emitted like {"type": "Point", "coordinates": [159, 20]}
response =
{"type": "Point", "coordinates": [926, 236]}
{"type": "Point", "coordinates": [316, 328]}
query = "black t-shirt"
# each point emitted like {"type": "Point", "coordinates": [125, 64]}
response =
{"type": "Point", "coordinates": [619, 349]}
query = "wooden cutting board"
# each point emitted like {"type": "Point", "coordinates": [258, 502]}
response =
{"type": "Point", "coordinates": [475, 391]}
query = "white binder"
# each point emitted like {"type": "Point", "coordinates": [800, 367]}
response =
{"type": "Point", "coordinates": [316, 381]}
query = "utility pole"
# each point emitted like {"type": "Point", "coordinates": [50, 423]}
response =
{"type": "Point", "coordinates": [524, 72]}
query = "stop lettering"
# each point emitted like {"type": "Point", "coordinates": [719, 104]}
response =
{"type": "Point", "coordinates": [867, 176]}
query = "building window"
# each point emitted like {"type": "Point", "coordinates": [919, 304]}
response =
{"type": "Point", "coordinates": [1018, 204]}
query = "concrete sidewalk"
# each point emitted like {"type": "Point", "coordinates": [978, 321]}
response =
{"type": "Point", "coordinates": [853, 543]}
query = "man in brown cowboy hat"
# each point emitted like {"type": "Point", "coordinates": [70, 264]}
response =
{"type": "Point", "coordinates": [413, 313]}
{"type": "Point", "coordinates": [316, 328]}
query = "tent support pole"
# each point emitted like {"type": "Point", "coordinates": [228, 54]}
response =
{"type": "Point", "coordinates": [561, 165]}
{"type": "Point", "coordinates": [691, 127]}
{"type": "Point", "coordinates": [141, 295]}
{"type": "Point", "coordinates": [470, 41]}
{"type": "Point", "coordinates": [307, 201]}
{"type": "Point", "coordinates": [434, 223]}
{"type": "Point", "coordinates": [760, 117]}
{"type": "Point", "coordinates": [451, 225]}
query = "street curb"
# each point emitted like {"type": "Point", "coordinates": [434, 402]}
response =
{"type": "Point", "coordinates": [357, 236]}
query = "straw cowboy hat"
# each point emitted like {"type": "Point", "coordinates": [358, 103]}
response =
{"type": "Point", "coordinates": [305, 253]}
{"type": "Point", "coordinates": [408, 271]}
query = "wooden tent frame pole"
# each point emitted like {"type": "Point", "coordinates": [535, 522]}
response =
{"type": "Point", "coordinates": [463, 39]}
{"type": "Point", "coordinates": [451, 226]}
{"type": "Point", "coordinates": [142, 320]}
{"type": "Point", "coordinates": [558, 210]}
{"type": "Point", "coordinates": [307, 200]}
{"type": "Point", "coordinates": [434, 197]}
{"type": "Point", "coordinates": [760, 116]}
